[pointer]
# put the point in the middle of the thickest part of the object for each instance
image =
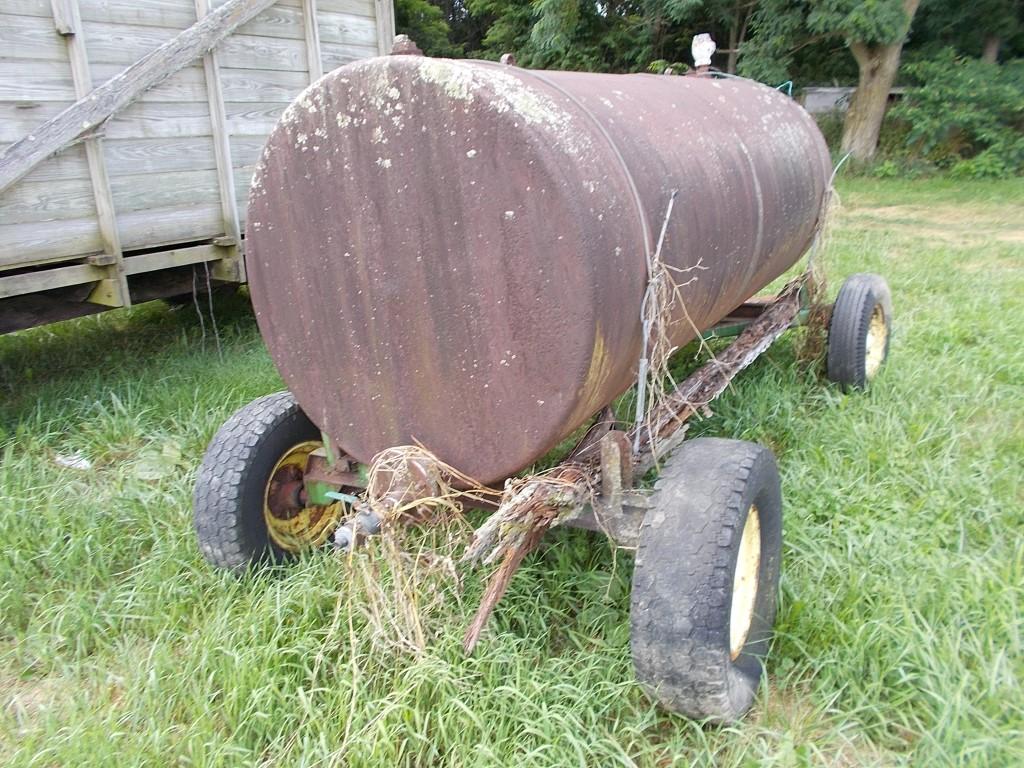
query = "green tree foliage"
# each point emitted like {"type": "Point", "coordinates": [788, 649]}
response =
{"type": "Point", "coordinates": [873, 31]}
{"type": "Point", "coordinates": [966, 115]}
{"type": "Point", "coordinates": [983, 28]}
{"type": "Point", "coordinates": [566, 34]}
{"type": "Point", "coordinates": [784, 29]}
{"type": "Point", "coordinates": [803, 40]}
{"type": "Point", "coordinates": [425, 23]}
{"type": "Point", "coordinates": [961, 110]}
{"type": "Point", "coordinates": [605, 35]}
{"type": "Point", "coordinates": [508, 24]}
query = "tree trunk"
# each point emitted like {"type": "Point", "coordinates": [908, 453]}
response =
{"type": "Point", "coordinates": [991, 51]}
{"type": "Point", "coordinates": [737, 33]}
{"type": "Point", "coordinates": [734, 42]}
{"type": "Point", "coordinates": [877, 66]}
{"type": "Point", "coordinates": [657, 27]}
{"type": "Point", "coordinates": [863, 122]}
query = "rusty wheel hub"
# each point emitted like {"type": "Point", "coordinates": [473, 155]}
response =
{"type": "Point", "coordinates": [292, 524]}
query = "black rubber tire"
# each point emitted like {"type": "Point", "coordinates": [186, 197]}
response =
{"type": "Point", "coordinates": [848, 328]}
{"type": "Point", "coordinates": [232, 480]}
{"type": "Point", "coordinates": [683, 578]}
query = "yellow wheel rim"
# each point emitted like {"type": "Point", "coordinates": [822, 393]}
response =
{"type": "Point", "coordinates": [291, 524]}
{"type": "Point", "coordinates": [874, 345]}
{"type": "Point", "coordinates": [744, 583]}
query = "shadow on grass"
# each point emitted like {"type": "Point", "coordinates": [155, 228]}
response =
{"type": "Point", "coordinates": [118, 344]}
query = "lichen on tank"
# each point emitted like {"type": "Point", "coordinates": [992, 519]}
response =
{"type": "Point", "coordinates": [504, 93]}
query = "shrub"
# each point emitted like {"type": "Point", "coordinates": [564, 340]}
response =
{"type": "Point", "coordinates": [965, 115]}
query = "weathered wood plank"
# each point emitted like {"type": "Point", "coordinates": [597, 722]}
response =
{"type": "Point", "coordinates": [258, 85]}
{"type": "Point", "coordinates": [69, 164]}
{"type": "Point", "coordinates": [59, 277]}
{"type": "Point", "coordinates": [27, 37]}
{"type": "Point", "coordinates": [184, 85]}
{"type": "Point", "coordinates": [66, 15]}
{"type": "Point", "coordinates": [221, 141]}
{"type": "Point", "coordinates": [20, 117]}
{"type": "Point", "coordinates": [163, 13]}
{"type": "Point", "coordinates": [36, 81]}
{"type": "Point", "coordinates": [57, 200]}
{"type": "Point", "coordinates": [385, 26]}
{"type": "Point", "coordinates": [355, 7]}
{"type": "Point", "coordinates": [178, 257]}
{"type": "Point", "coordinates": [276, 21]}
{"type": "Point", "coordinates": [145, 192]}
{"type": "Point", "coordinates": [311, 37]}
{"type": "Point", "coordinates": [152, 120]}
{"type": "Point", "coordinates": [118, 92]}
{"type": "Point", "coordinates": [243, 178]}
{"type": "Point", "coordinates": [28, 244]}
{"type": "Point", "coordinates": [166, 226]}
{"type": "Point", "coordinates": [253, 52]}
{"type": "Point", "coordinates": [23, 245]}
{"type": "Point", "coordinates": [122, 44]}
{"type": "Point", "coordinates": [335, 55]}
{"type": "Point", "coordinates": [125, 43]}
{"type": "Point", "coordinates": [346, 29]}
{"type": "Point", "coordinates": [51, 81]}
{"type": "Point", "coordinates": [146, 156]}
{"type": "Point", "coordinates": [142, 120]}
{"type": "Point", "coordinates": [139, 121]}
{"type": "Point", "coordinates": [246, 150]}
{"type": "Point", "coordinates": [255, 85]}
{"type": "Point", "coordinates": [34, 39]}
{"type": "Point", "coordinates": [245, 119]}
{"type": "Point", "coordinates": [28, 8]}
{"type": "Point", "coordinates": [48, 201]}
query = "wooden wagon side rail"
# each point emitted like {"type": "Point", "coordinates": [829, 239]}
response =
{"type": "Point", "coordinates": [121, 90]}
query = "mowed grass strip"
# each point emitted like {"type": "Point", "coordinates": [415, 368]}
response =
{"type": "Point", "coordinates": [899, 637]}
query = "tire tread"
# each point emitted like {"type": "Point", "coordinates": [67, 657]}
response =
{"type": "Point", "coordinates": [848, 326]}
{"type": "Point", "coordinates": [225, 538]}
{"type": "Point", "coordinates": [678, 637]}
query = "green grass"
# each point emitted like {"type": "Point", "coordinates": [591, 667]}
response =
{"type": "Point", "coordinates": [900, 631]}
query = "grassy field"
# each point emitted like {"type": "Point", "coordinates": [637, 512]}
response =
{"type": "Point", "coordinates": [900, 632]}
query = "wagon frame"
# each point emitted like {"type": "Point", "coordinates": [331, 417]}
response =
{"type": "Point", "coordinates": [710, 529]}
{"type": "Point", "coordinates": [129, 132]}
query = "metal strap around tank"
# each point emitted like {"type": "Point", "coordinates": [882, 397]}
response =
{"type": "Point", "coordinates": [611, 143]}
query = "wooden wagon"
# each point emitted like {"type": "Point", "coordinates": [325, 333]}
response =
{"type": "Point", "coordinates": [142, 204]}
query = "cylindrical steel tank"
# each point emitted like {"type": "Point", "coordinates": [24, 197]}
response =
{"type": "Point", "coordinates": [455, 252]}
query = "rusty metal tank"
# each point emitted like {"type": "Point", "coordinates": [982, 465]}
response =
{"type": "Point", "coordinates": [455, 252]}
